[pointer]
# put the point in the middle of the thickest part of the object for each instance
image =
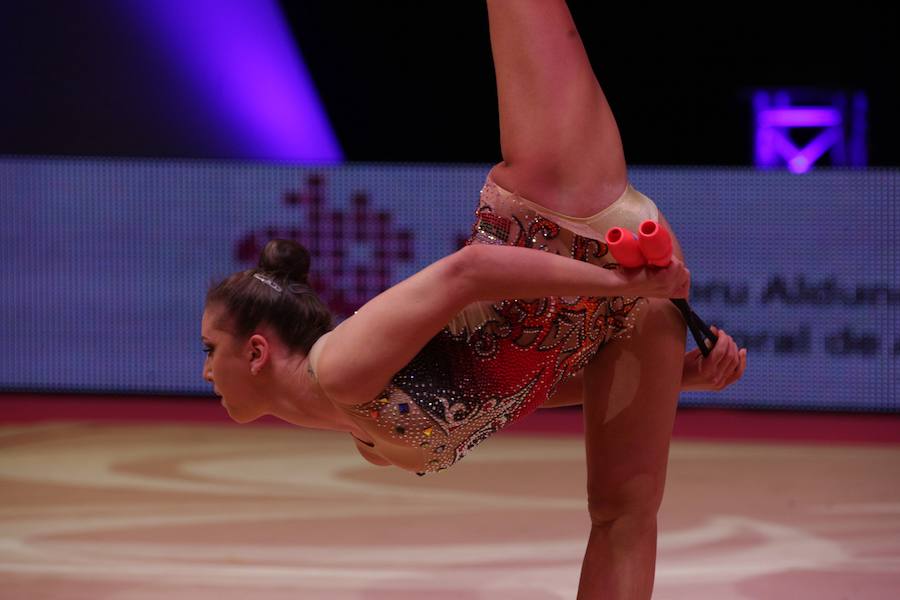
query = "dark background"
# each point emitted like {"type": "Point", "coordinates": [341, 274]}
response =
{"type": "Point", "coordinates": [412, 81]}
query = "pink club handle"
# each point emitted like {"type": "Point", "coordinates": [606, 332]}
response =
{"type": "Point", "coordinates": [625, 247]}
{"type": "Point", "coordinates": [653, 245]}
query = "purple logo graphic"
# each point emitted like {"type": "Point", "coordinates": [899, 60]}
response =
{"type": "Point", "coordinates": [840, 121]}
{"type": "Point", "coordinates": [353, 251]}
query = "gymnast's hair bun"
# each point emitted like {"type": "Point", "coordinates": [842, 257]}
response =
{"type": "Point", "coordinates": [287, 259]}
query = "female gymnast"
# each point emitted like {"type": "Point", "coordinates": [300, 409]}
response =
{"type": "Point", "coordinates": [431, 367]}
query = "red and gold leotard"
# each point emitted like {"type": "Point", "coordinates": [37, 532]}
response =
{"type": "Point", "coordinates": [497, 362]}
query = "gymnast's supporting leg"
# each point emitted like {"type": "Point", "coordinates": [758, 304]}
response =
{"type": "Point", "coordinates": [631, 392]}
{"type": "Point", "coordinates": [561, 148]}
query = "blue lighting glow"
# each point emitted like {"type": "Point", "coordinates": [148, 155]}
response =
{"type": "Point", "coordinates": [243, 64]}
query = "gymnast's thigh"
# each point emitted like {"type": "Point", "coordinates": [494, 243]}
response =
{"type": "Point", "coordinates": [631, 391]}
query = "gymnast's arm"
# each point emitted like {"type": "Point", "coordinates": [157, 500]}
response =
{"type": "Point", "coordinates": [363, 353]}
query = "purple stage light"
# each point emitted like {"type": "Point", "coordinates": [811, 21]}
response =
{"type": "Point", "coordinates": [244, 66]}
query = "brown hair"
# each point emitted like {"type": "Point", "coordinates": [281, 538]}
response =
{"type": "Point", "coordinates": [275, 293]}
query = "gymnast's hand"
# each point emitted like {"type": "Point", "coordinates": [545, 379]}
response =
{"type": "Point", "coordinates": [724, 365]}
{"type": "Point", "coordinates": [672, 281]}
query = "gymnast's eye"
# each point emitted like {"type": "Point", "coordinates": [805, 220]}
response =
{"type": "Point", "coordinates": [207, 350]}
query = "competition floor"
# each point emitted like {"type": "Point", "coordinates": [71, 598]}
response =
{"type": "Point", "coordinates": [137, 499]}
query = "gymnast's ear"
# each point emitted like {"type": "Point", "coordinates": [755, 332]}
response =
{"type": "Point", "coordinates": [259, 352]}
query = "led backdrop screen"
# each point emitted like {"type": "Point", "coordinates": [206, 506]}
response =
{"type": "Point", "coordinates": [105, 264]}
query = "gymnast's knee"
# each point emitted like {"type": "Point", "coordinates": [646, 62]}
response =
{"type": "Point", "coordinates": [635, 502]}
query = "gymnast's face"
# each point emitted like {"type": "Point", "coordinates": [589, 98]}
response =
{"type": "Point", "coordinates": [227, 367]}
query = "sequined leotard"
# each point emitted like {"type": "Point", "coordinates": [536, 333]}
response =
{"type": "Point", "coordinates": [497, 362]}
